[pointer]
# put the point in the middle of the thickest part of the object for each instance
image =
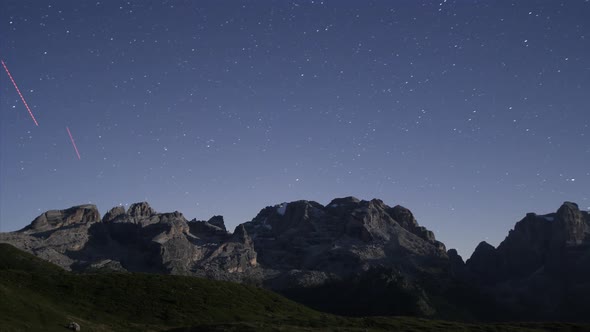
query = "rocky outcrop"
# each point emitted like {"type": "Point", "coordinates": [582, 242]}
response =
{"type": "Point", "coordinates": [74, 326]}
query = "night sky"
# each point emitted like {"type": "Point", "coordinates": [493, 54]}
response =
{"type": "Point", "coordinates": [469, 113]}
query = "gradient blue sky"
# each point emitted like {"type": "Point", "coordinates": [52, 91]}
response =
{"type": "Point", "coordinates": [469, 113]}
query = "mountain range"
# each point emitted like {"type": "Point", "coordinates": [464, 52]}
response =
{"type": "Point", "coordinates": [351, 257]}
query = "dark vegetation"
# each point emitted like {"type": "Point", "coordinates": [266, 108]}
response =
{"type": "Point", "coordinates": [379, 292]}
{"type": "Point", "coordinates": [39, 296]}
{"type": "Point", "coordinates": [387, 292]}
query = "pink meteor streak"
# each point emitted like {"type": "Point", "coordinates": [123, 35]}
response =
{"type": "Point", "coordinates": [73, 143]}
{"type": "Point", "coordinates": [20, 94]}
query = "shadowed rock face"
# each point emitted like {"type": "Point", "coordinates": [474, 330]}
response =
{"type": "Point", "coordinates": [114, 214]}
{"type": "Point", "coordinates": [536, 242]}
{"type": "Point", "coordinates": [54, 232]}
{"type": "Point", "coordinates": [217, 221]}
{"type": "Point", "coordinates": [542, 266]}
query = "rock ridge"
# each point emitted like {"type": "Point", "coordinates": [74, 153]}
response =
{"type": "Point", "coordinates": [308, 250]}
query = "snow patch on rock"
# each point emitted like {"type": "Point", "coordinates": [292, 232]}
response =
{"type": "Point", "coordinates": [282, 208]}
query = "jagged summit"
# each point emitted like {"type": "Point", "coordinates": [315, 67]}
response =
{"type": "Point", "coordinates": [339, 239]}
{"type": "Point", "coordinates": [569, 205]}
{"type": "Point", "coordinates": [114, 214]}
{"type": "Point", "coordinates": [484, 247]}
{"type": "Point", "coordinates": [344, 201]}
{"type": "Point", "coordinates": [141, 209]}
{"type": "Point", "coordinates": [537, 235]}
{"type": "Point", "coordinates": [217, 221]}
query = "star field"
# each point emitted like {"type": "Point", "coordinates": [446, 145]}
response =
{"type": "Point", "coordinates": [469, 113]}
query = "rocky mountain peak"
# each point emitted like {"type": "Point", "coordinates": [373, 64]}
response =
{"type": "Point", "coordinates": [483, 262]}
{"type": "Point", "coordinates": [240, 235]}
{"type": "Point", "coordinates": [569, 206]}
{"type": "Point", "coordinates": [170, 217]}
{"type": "Point", "coordinates": [456, 263]}
{"type": "Point", "coordinates": [350, 200]}
{"type": "Point", "coordinates": [114, 214]}
{"type": "Point", "coordinates": [140, 210]}
{"type": "Point", "coordinates": [532, 228]}
{"type": "Point", "coordinates": [53, 219]}
{"type": "Point", "coordinates": [214, 227]}
{"type": "Point", "coordinates": [285, 217]}
{"type": "Point", "coordinates": [454, 255]}
{"type": "Point", "coordinates": [483, 248]}
{"type": "Point", "coordinates": [217, 221]}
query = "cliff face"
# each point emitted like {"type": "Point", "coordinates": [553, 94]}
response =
{"type": "Point", "coordinates": [343, 238]}
{"type": "Point", "coordinates": [54, 233]}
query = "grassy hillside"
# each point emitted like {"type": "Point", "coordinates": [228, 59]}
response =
{"type": "Point", "coordinates": [38, 296]}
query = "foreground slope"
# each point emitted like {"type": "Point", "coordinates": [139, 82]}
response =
{"type": "Point", "coordinates": [40, 296]}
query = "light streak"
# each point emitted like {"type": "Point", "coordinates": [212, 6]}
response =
{"type": "Point", "coordinates": [20, 94]}
{"type": "Point", "coordinates": [73, 143]}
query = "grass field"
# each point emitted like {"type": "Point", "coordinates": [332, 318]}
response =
{"type": "Point", "coordinates": [38, 296]}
